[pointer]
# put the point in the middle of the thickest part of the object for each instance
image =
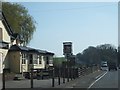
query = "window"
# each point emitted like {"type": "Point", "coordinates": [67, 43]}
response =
{"type": "Point", "coordinates": [4, 45]}
{"type": "Point", "coordinates": [40, 59]}
{"type": "Point", "coordinates": [23, 58]}
{"type": "Point", "coordinates": [51, 60]}
{"type": "Point", "coordinates": [31, 58]}
{"type": "Point", "coordinates": [1, 35]}
{"type": "Point", "coordinates": [35, 59]}
{"type": "Point", "coordinates": [47, 60]}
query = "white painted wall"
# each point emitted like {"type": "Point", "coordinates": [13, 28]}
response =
{"type": "Point", "coordinates": [6, 38]}
{"type": "Point", "coordinates": [1, 71]}
{"type": "Point", "coordinates": [3, 59]}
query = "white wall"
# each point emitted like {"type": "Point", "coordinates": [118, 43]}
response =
{"type": "Point", "coordinates": [1, 58]}
{"type": "Point", "coordinates": [6, 38]}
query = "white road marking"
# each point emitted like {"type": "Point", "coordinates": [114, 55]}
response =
{"type": "Point", "coordinates": [97, 80]}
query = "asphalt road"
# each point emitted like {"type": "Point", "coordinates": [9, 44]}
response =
{"type": "Point", "coordinates": [108, 80]}
{"type": "Point", "coordinates": [95, 80]}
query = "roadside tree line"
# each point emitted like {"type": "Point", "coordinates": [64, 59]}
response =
{"type": "Point", "coordinates": [94, 55]}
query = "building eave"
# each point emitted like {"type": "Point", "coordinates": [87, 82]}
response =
{"type": "Point", "coordinates": [6, 24]}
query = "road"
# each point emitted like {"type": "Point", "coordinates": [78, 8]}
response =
{"type": "Point", "coordinates": [108, 80]}
{"type": "Point", "coordinates": [101, 79]}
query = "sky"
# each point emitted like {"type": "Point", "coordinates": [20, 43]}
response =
{"type": "Point", "coordinates": [82, 23]}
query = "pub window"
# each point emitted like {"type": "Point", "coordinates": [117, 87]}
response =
{"type": "Point", "coordinates": [35, 59]}
{"type": "Point", "coordinates": [51, 60]}
{"type": "Point", "coordinates": [40, 59]}
{"type": "Point", "coordinates": [23, 58]}
{"type": "Point", "coordinates": [47, 60]}
{"type": "Point", "coordinates": [5, 45]}
{"type": "Point", "coordinates": [31, 58]}
{"type": "Point", "coordinates": [1, 35]}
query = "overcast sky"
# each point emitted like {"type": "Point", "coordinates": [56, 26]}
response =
{"type": "Point", "coordinates": [83, 23]}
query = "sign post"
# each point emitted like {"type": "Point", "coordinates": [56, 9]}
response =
{"type": "Point", "coordinates": [67, 52]}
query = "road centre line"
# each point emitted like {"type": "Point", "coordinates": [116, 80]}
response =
{"type": "Point", "coordinates": [97, 80]}
{"type": "Point", "coordinates": [98, 76]}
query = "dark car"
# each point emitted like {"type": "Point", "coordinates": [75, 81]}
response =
{"type": "Point", "coordinates": [119, 66]}
{"type": "Point", "coordinates": [112, 66]}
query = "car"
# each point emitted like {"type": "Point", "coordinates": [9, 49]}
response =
{"type": "Point", "coordinates": [119, 66]}
{"type": "Point", "coordinates": [112, 66]}
{"type": "Point", "coordinates": [104, 66]}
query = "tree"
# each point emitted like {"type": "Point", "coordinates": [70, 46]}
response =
{"type": "Point", "coordinates": [119, 54]}
{"type": "Point", "coordinates": [57, 61]}
{"type": "Point", "coordinates": [20, 21]}
{"type": "Point", "coordinates": [94, 55]}
{"type": "Point", "coordinates": [89, 56]}
{"type": "Point", "coordinates": [108, 52]}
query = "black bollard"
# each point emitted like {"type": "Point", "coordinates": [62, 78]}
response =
{"type": "Point", "coordinates": [3, 79]}
{"type": "Point", "coordinates": [68, 75]}
{"type": "Point", "coordinates": [31, 77]}
{"type": "Point", "coordinates": [71, 71]}
{"type": "Point", "coordinates": [59, 77]}
{"type": "Point", "coordinates": [53, 80]}
{"type": "Point", "coordinates": [63, 75]}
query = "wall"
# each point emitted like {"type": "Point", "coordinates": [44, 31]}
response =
{"type": "Point", "coordinates": [6, 37]}
{"type": "Point", "coordinates": [4, 52]}
{"type": "Point", "coordinates": [14, 60]}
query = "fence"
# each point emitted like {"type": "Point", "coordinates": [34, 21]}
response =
{"type": "Point", "coordinates": [45, 78]}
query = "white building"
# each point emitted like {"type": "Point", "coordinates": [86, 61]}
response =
{"type": "Point", "coordinates": [5, 41]}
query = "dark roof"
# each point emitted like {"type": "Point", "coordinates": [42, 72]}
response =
{"type": "Point", "coordinates": [4, 42]}
{"type": "Point", "coordinates": [45, 52]}
{"type": "Point", "coordinates": [50, 53]}
{"type": "Point", "coordinates": [18, 48]}
{"type": "Point", "coordinates": [29, 49]}
{"type": "Point", "coordinates": [7, 26]}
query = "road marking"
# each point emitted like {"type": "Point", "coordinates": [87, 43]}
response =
{"type": "Point", "coordinates": [97, 80]}
{"type": "Point", "coordinates": [98, 76]}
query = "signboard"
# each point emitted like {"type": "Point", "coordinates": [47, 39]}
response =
{"type": "Point", "coordinates": [67, 48]}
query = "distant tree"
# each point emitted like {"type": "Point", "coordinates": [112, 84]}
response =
{"type": "Point", "coordinates": [108, 52]}
{"type": "Point", "coordinates": [89, 56]}
{"type": "Point", "coordinates": [94, 55]}
{"type": "Point", "coordinates": [20, 21]}
{"type": "Point", "coordinates": [119, 54]}
{"type": "Point", "coordinates": [57, 61]}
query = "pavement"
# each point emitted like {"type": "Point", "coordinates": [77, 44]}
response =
{"type": "Point", "coordinates": [81, 82]}
{"type": "Point", "coordinates": [0, 81]}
